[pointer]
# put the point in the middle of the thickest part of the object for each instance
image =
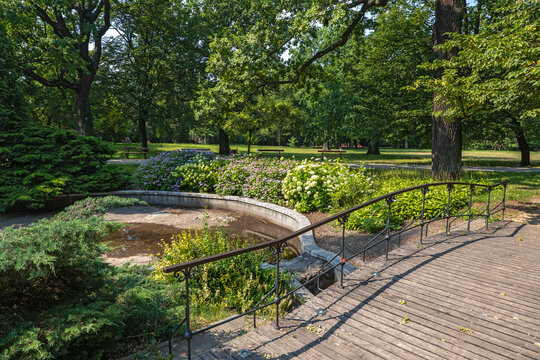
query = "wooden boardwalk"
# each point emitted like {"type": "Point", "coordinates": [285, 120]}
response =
{"type": "Point", "coordinates": [474, 296]}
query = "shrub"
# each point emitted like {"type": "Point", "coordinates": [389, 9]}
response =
{"type": "Point", "coordinates": [50, 257]}
{"type": "Point", "coordinates": [409, 205]}
{"type": "Point", "coordinates": [54, 257]}
{"type": "Point", "coordinates": [321, 185]}
{"type": "Point", "coordinates": [238, 282]}
{"type": "Point", "coordinates": [200, 175]}
{"type": "Point", "coordinates": [258, 178]}
{"type": "Point", "coordinates": [59, 300]}
{"type": "Point", "coordinates": [157, 172]}
{"type": "Point", "coordinates": [96, 206]}
{"type": "Point", "coordinates": [38, 163]}
{"type": "Point", "coordinates": [121, 305]}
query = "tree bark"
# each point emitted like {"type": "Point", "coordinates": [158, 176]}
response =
{"type": "Point", "coordinates": [522, 142]}
{"type": "Point", "coordinates": [446, 133]}
{"type": "Point", "coordinates": [85, 121]}
{"type": "Point", "coordinates": [224, 148]}
{"type": "Point", "coordinates": [325, 146]}
{"type": "Point", "coordinates": [250, 136]}
{"type": "Point", "coordinates": [142, 129]}
{"type": "Point", "coordinates": [373, 148]}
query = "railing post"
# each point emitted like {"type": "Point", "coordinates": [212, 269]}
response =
{"type": "Point", "coordinates": [487, 206]}
{"type": "Point", "coordinates": [450, 187]}
{"type": "Point", "coordinates": [471, 189]}
{"type": "Point", "coordinates": [504, 200]}
{"type": "Point", "coordinates": [389, 202]}
{"type": "Point", "coordinates": [188, 334]}
{"type": "Point", "coordinates": [342, 221]}
{"type": "Point", "coordinates": [424, 192]}
{"type": "Point", "coordinates": [277, 299]}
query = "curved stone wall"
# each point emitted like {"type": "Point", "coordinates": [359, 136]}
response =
{"type": "Point", "coordinates": [282, 216]}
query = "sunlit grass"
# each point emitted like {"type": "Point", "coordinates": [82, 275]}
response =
{"type": "Point", "coordinates": [388, 156]}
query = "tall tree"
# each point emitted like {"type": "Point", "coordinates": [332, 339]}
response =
{"type": "Point", "coordinates": [13, 108]}
{"type": "Point", "coordinates": [495, 77]}
{"type": "Point", "coordinates": [59, 44]}
{"type": "Point", "coordinates": [267, 44]}
{"type": "Point", "coordinates": [446, 131]}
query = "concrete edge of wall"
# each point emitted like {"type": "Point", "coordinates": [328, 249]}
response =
{"type": "Point", "coordinates": [285, 217]}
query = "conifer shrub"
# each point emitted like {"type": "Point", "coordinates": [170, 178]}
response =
{"type": "Point", "coordinates": [39, 163]}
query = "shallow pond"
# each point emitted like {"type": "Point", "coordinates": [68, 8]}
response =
{"type": "Point", "coordinates": [148, 226]}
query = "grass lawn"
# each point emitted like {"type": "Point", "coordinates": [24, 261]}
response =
{"type": "Point", "coordinates": [388, 156]}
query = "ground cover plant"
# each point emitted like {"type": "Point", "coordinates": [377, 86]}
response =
{"type": "Point", "coordinates": [60, 300]}
{"type": "Point", "coordinates": [408, 205]}
{"type": "Point", "coordinates": [235, 283]}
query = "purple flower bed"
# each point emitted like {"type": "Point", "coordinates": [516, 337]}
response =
{"type": "Point", "coordinates": [156, 172]}
{"type": "Point", "coordinates": [255, 178]}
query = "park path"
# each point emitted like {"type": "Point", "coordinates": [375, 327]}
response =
{"type": "Point", "coordinates": [467, 295]}
{"type": "Point", "coordinates": [388, 166]}
{"type": "Point", "coordinates": [465, 168]}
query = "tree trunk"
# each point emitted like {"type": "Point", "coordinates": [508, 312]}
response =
{"type": "Point", "coordinates": [373, 148]}
{"type": "Point", "coordinates": [250, 136]}
{"type": "Point", "coordinates": [522, 142]}
{"type": "Point", "coordinates": [142, 131]}
{"type": "Point", "coordinates": [446, 133]}
{"type": "Point", "coordinates": [144, 102]}
{"type": "Point", "coordinates": [446, 148]}
{"type": "Point", "coordinates": [224, 148]}
{"type": "Point", "coordinates": [325, 146]}
{"type": "Point", "coordinates": [85, 122]}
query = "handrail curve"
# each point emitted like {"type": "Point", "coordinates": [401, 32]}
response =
{"type": "Point", "coordinates": [183, 272]}
{"type": "Point", "coordinates": [255, 247]}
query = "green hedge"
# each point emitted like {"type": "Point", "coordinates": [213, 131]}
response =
{"type": "Point", "coordinates": [38, 163]}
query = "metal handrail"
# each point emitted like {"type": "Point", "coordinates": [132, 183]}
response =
{"type": "Point", "coordinates": [182, 272]}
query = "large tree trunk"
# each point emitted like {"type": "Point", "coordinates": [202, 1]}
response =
{"type": "Point", "coordinates": [446, 147]}
{"type": "Point", "coordinates": [446, 133]}
{"type": "Point", "coordinates": [224, 148]}
{"type": "Point", "coordinates": [373, 148]}
{"type": "Point", "coordinates": [522, 142]}
{"type": "Point", "coordinates": [325, 146]}
{"type": "Point", "coordinates": [85, 122]}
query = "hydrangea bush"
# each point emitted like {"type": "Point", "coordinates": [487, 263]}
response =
{"type": "Point", "coordinates": [322, 185]}
{"type": "Point", "coordinates": [157, 172]}
{"type": "Point", "coordinates": [198, 176]}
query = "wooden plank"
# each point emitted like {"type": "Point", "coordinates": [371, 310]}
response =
{"type": "Point", "coordinates": [494, 342]}
{"type": "Point", "coordinates": [464, 288]}
{"type": "Point", "coordinates": [417, 334]}
{"type": "Point", "coordinates": [505, 333]}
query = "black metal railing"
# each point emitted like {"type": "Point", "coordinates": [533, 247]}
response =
{"type": "Point", "coordinates": [182, 272]}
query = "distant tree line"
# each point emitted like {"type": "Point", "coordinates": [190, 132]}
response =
{"type": "Point", "coordinates": [442, 74]}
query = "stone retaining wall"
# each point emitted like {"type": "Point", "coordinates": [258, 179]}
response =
{"type": "Point", "coordinates": [282, 216]}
